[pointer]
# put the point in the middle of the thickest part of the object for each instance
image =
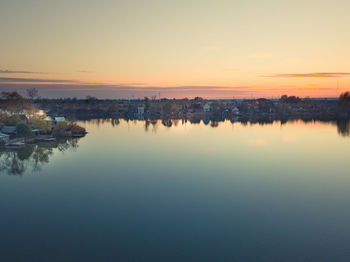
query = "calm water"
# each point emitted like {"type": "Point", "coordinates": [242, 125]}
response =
{"type": "Point", "coordinates": [131, 191]}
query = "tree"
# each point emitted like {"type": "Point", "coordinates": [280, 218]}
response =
{"type": "Point", "coordinates": [12, 120]}
{"type": "Point", "coordinates": [60, 130]}
{"type": "Point", "coordinates": [113, 108]}
{"type": "Point", "coordinates": [344, 98]}
{"type": "Point", "coordinates": [13, 102]}
{"type": "Point", "coordinates": [146, 103]}
{"type": "Point", "coordinates": [290, 99]}
{"type": "Point", "coordinates": [167, 107]}
{"type": "Point", "coordinates": [31, 109]}
{"type": "Point", "coordinates": [41, 123]}
{"type": "Point", "coordinates": [32, 93]}
{"type": "Point", "coordinates": [23, 130]}
{"type": "Point", "coordinates": [153, 108]}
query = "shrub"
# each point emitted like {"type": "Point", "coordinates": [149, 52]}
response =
{"type": "Point", "coordinates": [12, 120]}
{"type": "Point", "coordinates": [41, 123]}
{"type": "Point", "coordinates": [23, 130]}
{"type": "Point", "coordinates": [66, 129]}
{"type": "Point", "coordinates": [61, 130]}
{"type": "Point", "coordinates": [75, 129]}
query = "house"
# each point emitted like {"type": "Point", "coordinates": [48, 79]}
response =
{"type": "Point", "coordinates": [140, 111]}
{"type": "Point", "coordinates": [9, 130]}
{"type": "Point", "coordinates": [235, 111]}
{"type": "Point", "coordinates": [4, 138]}
{"type": "Point", "coordinates": [59, 119]}
{"type": "Point", "coordinates": [206, 107]}
{"type": "Point", "coordinates": [35, 130]}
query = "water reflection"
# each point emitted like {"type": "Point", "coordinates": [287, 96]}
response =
{"type": "Point", "coordinates": [32, 157]}
{"type": "Point", "coordinates": [343, 126]}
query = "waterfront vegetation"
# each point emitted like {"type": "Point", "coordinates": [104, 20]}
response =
{"type": "Point", "coordinates": [22, 121]}
{"type": "Point", "coordinates": [287, 107]}
{"type": "Point", "coordinates": [35, 119]}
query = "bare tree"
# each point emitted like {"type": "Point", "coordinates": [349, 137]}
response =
{"type": "Point", "coordinates": [32, 93]}
{"type": "Point", "coordinates": [13, 102]}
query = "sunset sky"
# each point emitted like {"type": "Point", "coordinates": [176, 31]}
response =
{"type": "Point", "coordinates": [214, 49]}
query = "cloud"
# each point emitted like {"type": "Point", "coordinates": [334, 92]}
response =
{"type": "Point", "coordinates": [311, 75]}
{"type": "Point", "coordinates": [310, 89]}
{"type": "Point", "coordinates": [33, 80]}
{"type": "Point", "coordinates": [84, 71]}
{"type": "Point", "coordinates": [19, 72]}
{"type": "Point", "coordinates": [64, 88]}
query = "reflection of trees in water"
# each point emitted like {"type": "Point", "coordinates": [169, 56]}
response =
{"type": "Point", "coordinates": [33, 157]}
{"type": "Point", "coordinates": [101, 121]}
{"type": "Point", "coordinates": [343, 128]}
{"type": "Point", "coordinates": [214, 123]}
{"type": "Point", "coordinates": [167, 122]}
{"type": "Point", "coordinates": [153, 122]}
{"type": "Point", "coordinates": [115, 121]}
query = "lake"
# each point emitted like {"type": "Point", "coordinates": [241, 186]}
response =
{"type": "Point", "coordinates": [180, 191]}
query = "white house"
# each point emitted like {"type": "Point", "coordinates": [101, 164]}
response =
{"type": "Point", "coordinates": [140, 110]}
{"type": "Point", "coordinates": [206, 107]}
{"type": "Point", "coordinates": [60, 119]}
{"type": "Point", "coordinates": [235, 111]}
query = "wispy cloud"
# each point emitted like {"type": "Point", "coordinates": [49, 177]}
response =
{"type": "Point", "coordinates": [33, 80]}
{"type": "Point", "coordinates": [19, 72]}
{"type": "Point", "coordinates": [84, 71]}
{"type": "Point", "coordinates": [51, 87]}
{"type": "Point", "coordinates": [311, 89]}
{"type": "Point", "coordinates": [336, 74]}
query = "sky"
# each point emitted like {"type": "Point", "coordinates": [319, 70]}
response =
{"type": "Point", "coordinates": [213, 49]}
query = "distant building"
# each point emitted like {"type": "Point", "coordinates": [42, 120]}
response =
{"type": "Point", "coordinates": [206, 107]}
{"type": "Point", "coordinates": [140, 111]}
{"type": "Point", "coordinates": [60, 119]}
{"type": "Point", "coordinates": [235, 111]}
{"type": "Point", "coordinates": [35, 131]}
